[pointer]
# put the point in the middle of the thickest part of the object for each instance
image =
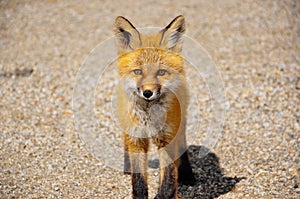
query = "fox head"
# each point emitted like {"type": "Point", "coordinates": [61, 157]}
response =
{"type": "Point", "coordinates": [150, 66]}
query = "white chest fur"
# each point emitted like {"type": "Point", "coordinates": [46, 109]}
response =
{"type": "Point", "coordinates": [151, 120]}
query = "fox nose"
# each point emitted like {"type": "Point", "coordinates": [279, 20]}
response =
{"type": "Point", "coordinates": [147, 93]}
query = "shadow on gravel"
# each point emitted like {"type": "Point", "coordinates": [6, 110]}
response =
{"type": "Point", "coordinates": [210, 181]}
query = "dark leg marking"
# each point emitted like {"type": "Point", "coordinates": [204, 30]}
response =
{"type": "Point", "coordinates": [139, 186]}
{"type": "Point", "coordinates": [168, 187]}
{"type": "Point", "coordinates": [185, 173]}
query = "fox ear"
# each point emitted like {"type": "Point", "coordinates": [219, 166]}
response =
{"type": "Point", "coordinates": [171, 38]}
{"type": "Point", "coordinates": [127, 36]}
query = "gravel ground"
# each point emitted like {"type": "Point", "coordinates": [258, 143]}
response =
{"type": "Point", "coordinates": [255, 45]}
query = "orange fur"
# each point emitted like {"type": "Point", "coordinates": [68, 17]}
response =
{"type": "Point", "coordinates": [152, 101]}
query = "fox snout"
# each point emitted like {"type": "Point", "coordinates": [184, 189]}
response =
{"type": "Point", "coordinates": [150, 91]}
{"type": "Point", "coordinates": [147, 93]}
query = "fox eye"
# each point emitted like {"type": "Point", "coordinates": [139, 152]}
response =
{"type": "Point", "coordinates": [137, 71]}
{"type": "Point", "coordinates": [161, 72]}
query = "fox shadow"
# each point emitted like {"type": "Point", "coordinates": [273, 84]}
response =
{"type": "Point", "coordinates": [210, 180]}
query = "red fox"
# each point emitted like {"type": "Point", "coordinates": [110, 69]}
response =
{"type": "Point", "coordinates": [152, 103]}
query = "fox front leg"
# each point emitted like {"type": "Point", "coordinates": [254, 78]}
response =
{"type": "Point", "coordinates": [168, 175]}
{"type": "Point", "coordinates": [139, 175]}
{"type": "Point", "coordinates": [126, 157]}
{"type": "Point", "coordinates": [137, 152]}
{"type": "Point", "coordinates": [185, 173]}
